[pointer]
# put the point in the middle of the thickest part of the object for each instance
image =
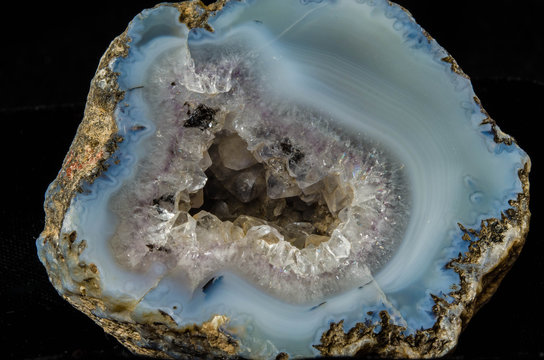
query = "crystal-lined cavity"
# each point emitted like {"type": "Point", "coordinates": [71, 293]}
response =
{"type": "Point", "coordinates": [264, 185]}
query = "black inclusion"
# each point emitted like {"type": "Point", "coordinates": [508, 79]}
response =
{"type": "Point", "coordinates": [202, 117]}
{"type": "Point", "coordinates": [161, 202]}
{"type": "Point", "coordinates": [316, 306]}
{"type": "Point", "coordinates": [286, 146]}
{"type": "Point", "coordinates": [168, 198]}
{"type": "Point", "coordinates": [294, 153]}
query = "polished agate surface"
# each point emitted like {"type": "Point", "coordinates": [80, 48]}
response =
{"type": "Point", "coordinates": [306, 162]}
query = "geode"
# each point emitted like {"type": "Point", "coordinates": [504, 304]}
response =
{"type": "Point", "coordinates": [283, 178]}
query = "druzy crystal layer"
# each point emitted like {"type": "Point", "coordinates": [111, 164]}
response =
{"type": "Point", "coordinates": [256, 178]}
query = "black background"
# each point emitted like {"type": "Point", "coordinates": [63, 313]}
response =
{"type": "Point", "coordinates": [49, 55]}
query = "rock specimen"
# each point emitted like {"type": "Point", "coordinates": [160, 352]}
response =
{"type": "Point", "coordinates": [283, 177]}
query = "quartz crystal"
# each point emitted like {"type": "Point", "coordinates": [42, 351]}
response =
{"type": "Point", "coordinates": [283, 177]}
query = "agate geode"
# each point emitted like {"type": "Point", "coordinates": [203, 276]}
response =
{"type": "Point", "coordinates": [283, 178]}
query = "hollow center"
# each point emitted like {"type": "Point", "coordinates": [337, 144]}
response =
{"type": "Point", "coordinates": [249, 192]}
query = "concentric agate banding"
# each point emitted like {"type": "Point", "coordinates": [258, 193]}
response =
{"type": "Point", "coordinates": [483, 247]}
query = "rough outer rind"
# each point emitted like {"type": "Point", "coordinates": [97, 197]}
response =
{"type": "Point", "coordinates": [79, 283]}
{"type": "Point", "coordinates": [479, 277]}
{"type": "Point", "coordinates": [96, 141]}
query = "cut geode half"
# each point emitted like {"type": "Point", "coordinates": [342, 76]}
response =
{"type": "Point", "coordinates": [283, 177]}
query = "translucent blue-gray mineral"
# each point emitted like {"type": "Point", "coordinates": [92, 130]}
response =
{"type": "Point", "coordinates": [304, 163]}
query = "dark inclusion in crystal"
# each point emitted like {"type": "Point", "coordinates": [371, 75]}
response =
{"type": "Point", "coordinates": [201, 117]}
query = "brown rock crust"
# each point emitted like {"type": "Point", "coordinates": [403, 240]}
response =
{"type": "Point", "coordinates": [79, 283]}
{"type": "Point", "coordinates": [478, 281]}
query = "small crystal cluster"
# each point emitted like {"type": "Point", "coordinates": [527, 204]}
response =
{"type": "Point", "coordinates": [238, 179]}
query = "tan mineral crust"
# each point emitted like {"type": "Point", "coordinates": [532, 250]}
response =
{"type": "Point", "coordinates": [480, 269]}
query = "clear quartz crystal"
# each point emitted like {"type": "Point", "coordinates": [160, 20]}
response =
{"type": "Point", "coordinates": [247, 184]}
{"type": "Point", "coordinates": [246, 179]}
{"type": "Point", "coordinates": [234, 153]}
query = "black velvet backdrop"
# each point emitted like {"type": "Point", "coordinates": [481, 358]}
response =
{"type": "Point", "coordinates": [49, 55]}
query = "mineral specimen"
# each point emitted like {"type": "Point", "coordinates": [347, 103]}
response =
{"type": "Point", "coordinates": [283, 177]}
